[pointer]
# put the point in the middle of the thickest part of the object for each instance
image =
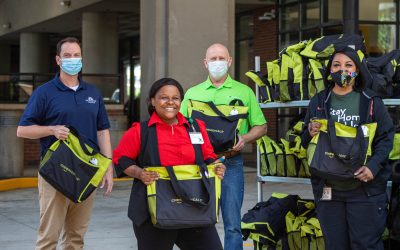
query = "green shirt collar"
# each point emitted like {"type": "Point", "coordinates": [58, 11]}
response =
{"type": "Point", "coordinates": [227, 84]}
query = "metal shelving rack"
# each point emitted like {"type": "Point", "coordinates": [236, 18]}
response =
{"type": "Point", "coordinates": [292, 104]}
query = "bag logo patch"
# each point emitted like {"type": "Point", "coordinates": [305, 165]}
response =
{"type": "Point", "coordinates": [197, 199]}
{"type": "Point", "coordinates": [68, 170]}
{"type": "Point", "coordinates": [94, 161]}
{"type": "Point", "coordinates": [178, 201]}
{"type": "Point", "coordinates": [329, 154]}
{"type": "Point", "coordinates": [234, 112]}
{"type": "Point", "coordinates": [215, 130]}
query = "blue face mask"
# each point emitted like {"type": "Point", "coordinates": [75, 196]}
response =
{"type": "Point", "coordinates": [71, 66]}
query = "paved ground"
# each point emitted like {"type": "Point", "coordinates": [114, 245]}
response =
{"type": "Point", "coordinates": [110, 227]}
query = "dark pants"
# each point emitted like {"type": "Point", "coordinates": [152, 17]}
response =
{"type": "Point", "coordinates": [352, 220]}
{"type": "Point", "coordinates": [152, 238]}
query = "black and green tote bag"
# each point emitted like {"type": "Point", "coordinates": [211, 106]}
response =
{"type": "Point", "coordinates": [272, 157]}
{"type": "Point", "coordinates": [223, 121]}
{"type": "Point", "coordinates": [337, 151]}
{"type": "Point", "coordinates": [184, 196]}
{"type": "Point", "coordinates": [73, 168]}
{"type": "Point", "coordinates": [394, 154]}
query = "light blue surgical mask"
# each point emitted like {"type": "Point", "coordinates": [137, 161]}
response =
{"type": "Point", "coordinates": [71, 66]}
{"type": "Point", "coordinates": [217, 69]}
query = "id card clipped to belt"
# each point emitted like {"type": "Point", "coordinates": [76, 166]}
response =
{"type": "Point", "coordinates": [326, 194]}
{"type": "Point", "coordinates": [196, 138]}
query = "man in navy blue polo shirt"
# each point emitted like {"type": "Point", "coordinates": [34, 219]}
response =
{"type": "Point", "coordinates": [66, 100]}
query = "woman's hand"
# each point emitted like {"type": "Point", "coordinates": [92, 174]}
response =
{"type": "Point", "coordinates": [148, 177]}
{"type": "Point", "coordinates": [364, 174]}
{"type": "Point", "coordinates": [313, 128]}
{"type": "Point", "coordinates": [219, 170]}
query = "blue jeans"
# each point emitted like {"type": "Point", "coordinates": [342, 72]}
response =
{"type": "Point", "coordinates": [232, 191]}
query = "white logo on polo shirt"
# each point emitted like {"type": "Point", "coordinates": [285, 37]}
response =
{"type": "Point", "coordinates": [90, 100]}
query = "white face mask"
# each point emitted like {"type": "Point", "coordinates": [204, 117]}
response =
{"type": "Point", "coordinates": [217, 69]}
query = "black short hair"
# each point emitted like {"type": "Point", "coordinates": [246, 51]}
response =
{"type": "Point", "coordinates": [67, 40]}
{"type": "Point", "coordinates": [157, 85]}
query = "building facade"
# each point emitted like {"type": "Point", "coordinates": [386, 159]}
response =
{"type": "Point", "coordinates": [128, 44]}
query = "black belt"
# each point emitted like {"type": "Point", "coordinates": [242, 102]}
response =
{"type": "Point", "coordinates": [228, 154]}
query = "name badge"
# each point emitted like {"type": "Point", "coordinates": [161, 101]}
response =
{"type": "Point", "coordinates": [326, 194]}
{"type": "Point", "coordinates": [196, 137]}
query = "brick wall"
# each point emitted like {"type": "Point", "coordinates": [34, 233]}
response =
{"type": "Point", "coordinates": [265, 46]}
{"type": "Point", "coordinates": [31, 153]}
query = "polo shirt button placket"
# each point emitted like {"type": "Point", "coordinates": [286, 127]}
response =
{"type": "Point", "coordinates": [75, 98]}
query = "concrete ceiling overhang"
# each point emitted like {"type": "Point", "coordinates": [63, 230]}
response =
{"type": "Point", "coordinates": [70, 22]}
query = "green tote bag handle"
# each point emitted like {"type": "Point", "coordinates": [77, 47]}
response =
{"type": "Point", "coordinates": [230, 118]}
{"type": "Point", "coordinates": [181, 193]}
{"type": "Point", "coordinates": [81, 140]}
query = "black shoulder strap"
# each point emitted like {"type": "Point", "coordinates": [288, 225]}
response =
{"type": "Point", "coordinates": [178, 189]}
{"type": "Point", "coordinates": [236, 102]}
{"type": "Point", "coordinates": [149, 154]}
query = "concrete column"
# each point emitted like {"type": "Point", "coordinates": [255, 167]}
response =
{"type": "Point", "coordinates": [5, 59]}
{"type": "Point", "coordinates": [12, 148]}
{"type": "Point", "coordinates": [174, 36]}
{"type": "Point", "coordinates": [100, 56]}
{"type": "Point", "coordinates": [100, 43]}
{"type": "Point", "coordinates": [34, 53]}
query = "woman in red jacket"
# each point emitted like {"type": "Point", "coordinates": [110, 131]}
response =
{"type": "Point", "coordinates": [172, 146]}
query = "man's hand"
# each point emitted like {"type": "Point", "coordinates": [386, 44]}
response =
{"type": "Point", "coordinates": [254, 133]}
{"type": "Point", "coordinates": [108, 181]}
{"type": "Point", "coordinates": [240, 144]}
{"type": "Point", "coordinates": [60, 132]}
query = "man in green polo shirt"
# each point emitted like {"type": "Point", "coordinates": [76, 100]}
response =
{"type": "Point", "coordinates": [220, 88]}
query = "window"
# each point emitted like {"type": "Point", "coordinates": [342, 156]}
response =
{"type": "Point", "coordinates": [378, 10]}
{"type": "Point", "coordinates": [379, 39]}
{"type": "Point", "coordinates": [379, 24]}
{"type": "Point", "coordinates": [244, 45]}
{"type": "Point", "coordinates": [308, 19]}
{"type": "Point", "coordinates": [289, 17]}
{"type": "Point", "coordinates": [333, 11]}
{"type": "Point", "coordinates": [310, 14]}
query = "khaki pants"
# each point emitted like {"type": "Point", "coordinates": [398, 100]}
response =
{"type": "Point", "coordinates": [60, 215]}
